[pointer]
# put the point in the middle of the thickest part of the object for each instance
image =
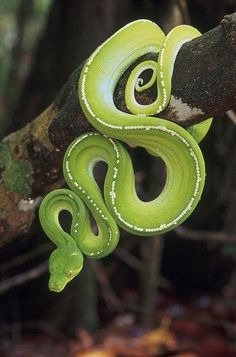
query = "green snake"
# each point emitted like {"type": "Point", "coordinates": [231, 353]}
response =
{"type": "Point", "coordinates": [120, 205]}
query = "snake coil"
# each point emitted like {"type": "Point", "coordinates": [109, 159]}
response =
{"type": "Point", "coordinates": [120, 205]}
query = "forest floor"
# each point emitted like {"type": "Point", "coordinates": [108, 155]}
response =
{"type": "Point", "coordinates": [205, 326]}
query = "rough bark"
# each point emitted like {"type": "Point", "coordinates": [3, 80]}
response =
{"type": "Point", "coordinates": [30, 159]}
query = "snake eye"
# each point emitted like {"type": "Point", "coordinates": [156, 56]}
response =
{"type": "Point", "coordinates": [69, 273]}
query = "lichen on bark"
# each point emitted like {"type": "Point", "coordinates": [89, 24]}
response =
{"type": "Point", "coordinates": [16, 176]}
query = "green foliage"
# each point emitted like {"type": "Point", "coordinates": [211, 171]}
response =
{"type": "Point", "coordinates": [41, 7]}
{"type": "Point", "coordinates": [21, 22]}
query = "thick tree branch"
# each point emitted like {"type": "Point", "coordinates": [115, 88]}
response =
{"type": "Point", "coordinates": [203, 84]}
{"type": "Point", "coordinates": [30, 159]}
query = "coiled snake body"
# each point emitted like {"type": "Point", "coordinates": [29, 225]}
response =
{"type": "Point", "coordinates": [174, 145]}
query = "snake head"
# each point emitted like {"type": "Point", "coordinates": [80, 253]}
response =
{"type": "Point", "coordinates": [64, 264]}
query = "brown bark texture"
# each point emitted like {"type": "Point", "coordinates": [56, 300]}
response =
{"type": "Point", "coordinates": [31, 158]}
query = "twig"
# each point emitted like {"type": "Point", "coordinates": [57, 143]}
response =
{"type": "Point", "coordinates": [216, 236]}
{"type": "Point", "coordinates": [109, 295]}
{"type": "Point", "coordinates": [21, 259]}
{"type": "Point", "coordinates": [22, 278]}
{"type": "Point", "coordinates": [184, 11]}
{"type": "Point", "coordinates": [231, 115]}
{"type": "Point", "coordinates": [111, 298]}
{"type": "Point", "coordinates": [152, 252]}
{"type": "Point", "coordinates": [128, 258]}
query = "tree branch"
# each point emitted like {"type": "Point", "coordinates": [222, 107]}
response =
{"type": "Point", "coordinates": [216, 236]}
{"type": "Point", "coordinates": [31, 158]}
